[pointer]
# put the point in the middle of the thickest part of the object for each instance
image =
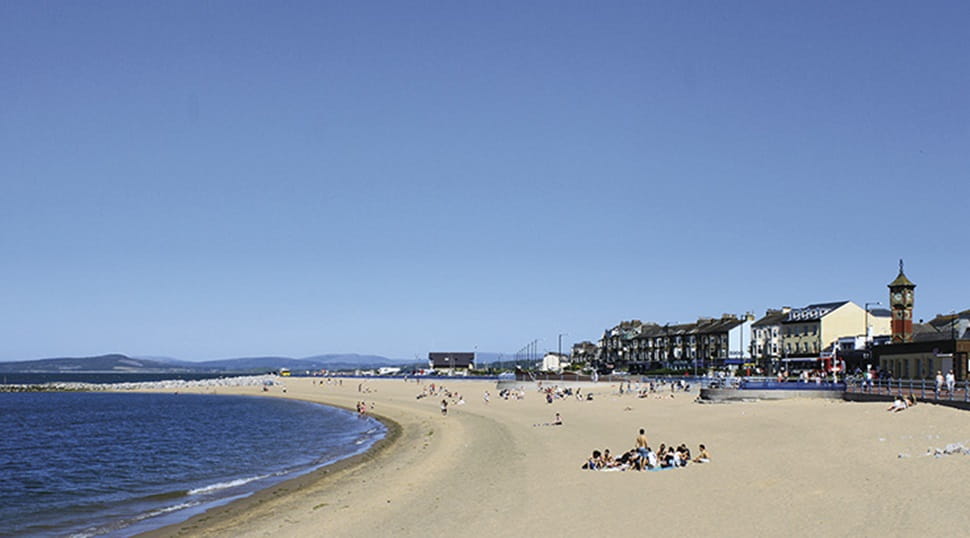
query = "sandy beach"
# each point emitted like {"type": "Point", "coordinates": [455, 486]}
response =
{"type": "Point", "coordinates": [795, 467]}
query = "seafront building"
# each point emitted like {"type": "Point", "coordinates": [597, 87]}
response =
{"type": "Point", "coordinates": [809, 330]}
{"type": "Point", "coordinates": [584, 352]}
{"type": "Point", "coordinates": [451, 363]}
{"type": "Point", "coordinates": [636, 347]}
{"type": "Point", "coordinates": [840, 333]}
{"type": "Point", "coordinates": [766, 341]}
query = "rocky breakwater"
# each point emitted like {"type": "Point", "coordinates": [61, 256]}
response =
{"type": "Point", "coordinates": [169, 384]}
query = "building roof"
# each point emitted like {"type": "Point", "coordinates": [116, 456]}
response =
{"type": "Point", "coordinates": [723, 325]}
{"type": "Point", "coordinates": [451, 360]}
{"type": "Point", "coordinates": [772, 317]}
{"type": "Point", "coordinates": [812, 312]}
{"type": "Point", "coordinates": [880, 312]}
{"type": "Point", "coordinates": [925, 332]}
{"type": "Point", "coordinates": [901, 280]}
{"type": "Point", "coordinates": [945, 320]}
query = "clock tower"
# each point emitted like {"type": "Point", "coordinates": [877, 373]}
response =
{"type": "Point", "coordinates": [901, 302]}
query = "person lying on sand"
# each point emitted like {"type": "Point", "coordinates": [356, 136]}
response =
{"type": "Point", "coordinates": [898, 405]}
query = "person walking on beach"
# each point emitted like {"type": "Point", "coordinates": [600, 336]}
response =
{"type": "Point", "coordinates": [939, 382]}
{"type": "Point", "coordinates": [485, 396]}
{"type": "Point", "coordinates": [444, 407]}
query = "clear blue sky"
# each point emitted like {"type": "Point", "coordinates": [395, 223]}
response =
{"type": "Point", "coordinates": [220, 179]}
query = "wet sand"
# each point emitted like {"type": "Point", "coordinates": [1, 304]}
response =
{"type": "Point", "coordinates": [797, 467]}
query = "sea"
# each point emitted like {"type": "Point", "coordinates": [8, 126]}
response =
{"type": "Point", "coordinates": [117, 464]}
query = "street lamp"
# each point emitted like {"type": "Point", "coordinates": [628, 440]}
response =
{"type": "Point", "coordinates": [867, 322]}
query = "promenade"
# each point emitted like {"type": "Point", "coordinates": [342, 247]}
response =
{"type": "Point", "coordinates": [924, 390]}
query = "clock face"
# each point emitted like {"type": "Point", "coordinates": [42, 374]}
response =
{"type": "Point", "coordinates": [897, 296]}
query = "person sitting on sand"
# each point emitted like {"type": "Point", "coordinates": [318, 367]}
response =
{"type": "Point", "coordinates": [676, 458]}
{"type": "Point", "coordinates": [630, 460]}
{"type": "Point", "coordinates": [558, 421]}
{"type": "Point", "coordinates": [608, 460]}
{"type": "Point", "coordinates": [683, 455]}
{"type": "Point", "coordinates": [595, 461]}
{"type": "Point", "coordinates": [650, 461]}
{"type": "Point", "coordinates": [702, 456]}
{"type": "Point", "coordinates": [910, 400]}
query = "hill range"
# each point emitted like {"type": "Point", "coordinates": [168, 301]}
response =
{"type": "Point", "coordinates": [119, 363]}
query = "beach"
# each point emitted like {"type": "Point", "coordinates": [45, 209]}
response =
{"type": "Point", "coordinates": [794, 467]}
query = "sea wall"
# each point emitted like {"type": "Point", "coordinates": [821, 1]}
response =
{"type": "Point", "coordinates": [730, 394]}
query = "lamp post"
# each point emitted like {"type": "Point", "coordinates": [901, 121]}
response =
{"type": "Point", "coordinates": [867, 323]}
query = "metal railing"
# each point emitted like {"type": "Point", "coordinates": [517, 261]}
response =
{"type": "Point", "coordinates": [924, 389]}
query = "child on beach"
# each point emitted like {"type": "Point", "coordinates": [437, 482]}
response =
{"type": "Point", "coordinates": [444, 407]}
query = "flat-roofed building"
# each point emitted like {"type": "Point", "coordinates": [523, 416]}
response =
{"type": "Point", "coordinates": [454, 363]}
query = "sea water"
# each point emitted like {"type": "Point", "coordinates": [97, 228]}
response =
{"type": "Point", "coordinates": [96, 464]}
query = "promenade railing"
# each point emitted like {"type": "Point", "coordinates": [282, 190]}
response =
{"type": "Point", "coordinates": [924, 389]}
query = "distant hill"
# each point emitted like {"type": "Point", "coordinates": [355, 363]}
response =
{"type": "Point", "coordinates": [124, 363]}
{"type": "Point", "coordinates": [102, 363]}
{"type": "Point", "coordinates": [347, 361]}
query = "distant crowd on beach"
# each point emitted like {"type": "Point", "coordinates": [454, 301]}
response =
{"type": "Point", "coordinates": [362, 408]}
{"type": "Point", "coordinates": [643, 458]}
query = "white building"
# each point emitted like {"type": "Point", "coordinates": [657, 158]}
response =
{"type": "Point", "coordinates": [554, 362]}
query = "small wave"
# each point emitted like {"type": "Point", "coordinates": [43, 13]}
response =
{"type": "Point", "coordinates": [226, 485]}
{"type": "Point", "coordinates": [166, 510]}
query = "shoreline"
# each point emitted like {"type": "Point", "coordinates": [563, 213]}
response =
{"type": "Point", "coordinates": [218, 515]}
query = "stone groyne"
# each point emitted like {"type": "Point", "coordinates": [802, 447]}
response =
{"type": "Point", "coordinates": [169, 384]}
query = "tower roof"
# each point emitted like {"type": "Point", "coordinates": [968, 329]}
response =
{"type": "Point", "coordinates": [901, 280]}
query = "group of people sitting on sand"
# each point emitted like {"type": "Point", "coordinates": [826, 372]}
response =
{"type": "Point", "coordinates": [901, 403]}
{"type": "Point", "coordinates": [642, 458]}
